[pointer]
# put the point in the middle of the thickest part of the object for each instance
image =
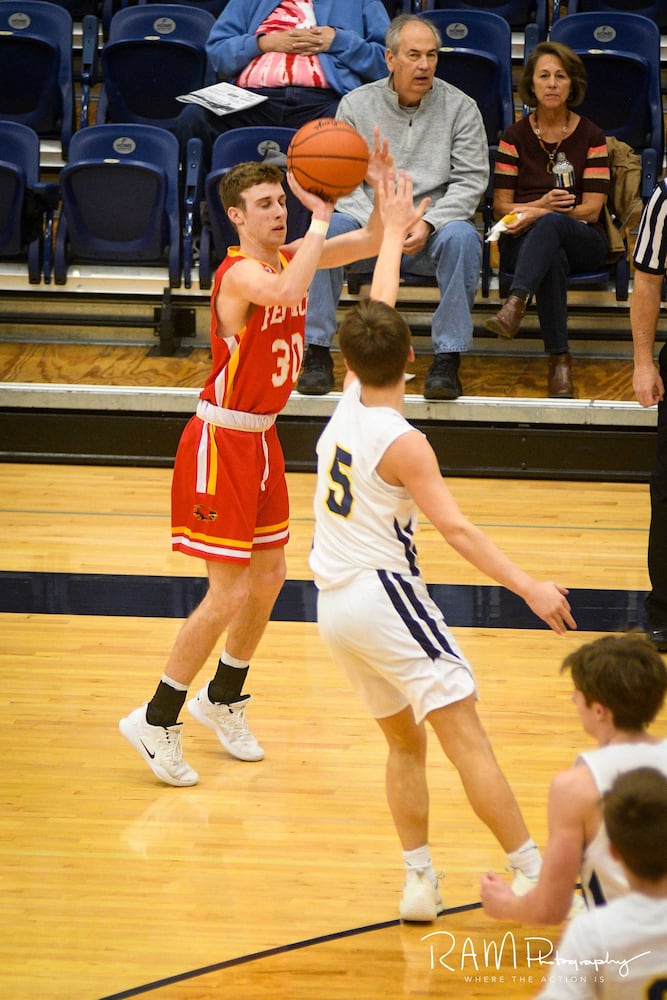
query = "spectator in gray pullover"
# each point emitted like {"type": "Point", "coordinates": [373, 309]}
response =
{"type": "Point", "coordinates": [436, 133]}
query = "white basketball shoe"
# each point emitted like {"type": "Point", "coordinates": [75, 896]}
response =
{"type": "Point", "coordinates": [229, 724]}
{"type": "Point", "coordinates": [421, 900]}
{"type": "Point", "coordinates": [160, 746]}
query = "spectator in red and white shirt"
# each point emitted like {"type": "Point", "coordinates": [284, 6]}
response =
{"type": "Point", "coordinates": [302, 55]}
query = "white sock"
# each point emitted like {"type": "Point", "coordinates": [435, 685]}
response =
{"type": "Point", "coordinates": [419, 859]}
{"type": "Point", "coordinates": [232, 661]}
{"type": "Point", "coordinates": [173, 684]}
{"type": "Point", "coordinates": [526, 858]}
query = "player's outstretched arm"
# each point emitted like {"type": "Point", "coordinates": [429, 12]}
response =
{"type": "Point", "coordinates": [410, 461]}
{"type": "Point", "coordinates": [550, 900]}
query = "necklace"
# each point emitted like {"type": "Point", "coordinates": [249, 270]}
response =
{"type": "Point", "coordinates": [551, 154]}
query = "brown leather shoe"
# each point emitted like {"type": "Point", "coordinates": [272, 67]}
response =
{"type": "Point", "coordinates": [560, 377]}
{"type": "Point", "coordinates": [507, 320]}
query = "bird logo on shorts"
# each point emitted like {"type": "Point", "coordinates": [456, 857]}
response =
{"type": "Point", "coordinates": [205, 513]}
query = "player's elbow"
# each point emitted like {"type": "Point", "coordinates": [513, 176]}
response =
{"type": "Point", "coordinates": [457, 534]}
{"type": "Point", "coordinates": [291, 295]}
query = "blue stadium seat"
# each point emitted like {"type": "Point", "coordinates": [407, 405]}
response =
{"type": "Point", "coordinates": [519, 14]}
{"type": "Point", "coordinates": [111, 7]}
{"type": "Point", "coordinates": [621, 53]}
{"type": "Point", "coordinates": [154, 53]}
{"type": "Point", "coordinates": [395, 7]}
{"type": "Point", "coordinates": [214, 7]}
{"type": "Point", "coordinates": [230, 148]}
{"type": "Point", "coordinates": [79, 8]}
{"type": "Point", "coordinates": [476, 57]}
{"type": "Point", "coordinates": [655, 11]}
{"type": "Point", "coordinates": [120, 200]}
{"type": "Point", "coordinates": [36, 68]}
{"type": "Point", "coordinates": [26, 205]}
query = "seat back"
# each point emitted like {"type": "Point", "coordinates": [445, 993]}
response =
{"type": "Point", "coordinates": [79, 8]}
{"type": "Point", "coordinates": [19, 170]}
{"type": "Point", "coordinates": [36, 68]}
{"type": "Point", "coordinates": [395, 7]}
{"type": "Point", "coordinates": [621, 53]}
{"type": "Point", "coordinates": [476, 57]}
{"type": "Point", "coordinates": [656, 11]}
{"type": "Point", "coordinates": [519, 14]}
{"type": "Point", "coordinates": [120, 199]}
{"type": "Point", "coordinates": [236, 146]}
{"type": "Point", "coordinates": [214, 7]}
{"type": "Point", "coordinates": [111, 7]}
{"type": "Point", "coordinates": [19, 188]}
{"type": "Point", "coordinates": [154, 53]}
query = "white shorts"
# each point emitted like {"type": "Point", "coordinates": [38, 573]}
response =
{"type": "Point", "coordinates": [392, 641]}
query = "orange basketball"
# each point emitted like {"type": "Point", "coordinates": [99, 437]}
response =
{"type": "Point", "coordinates": [328, 158]}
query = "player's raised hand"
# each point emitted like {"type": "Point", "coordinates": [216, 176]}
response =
{"type": "Point", "coordinates": [396, 202]}
{"type": "Point", "coordinates": [380, 160]}
{"type": "Point", "coordinates": [320, 208]}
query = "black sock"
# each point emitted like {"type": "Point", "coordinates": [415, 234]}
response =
{"type": "Point", "coordinates": [227, 684]}
{"type": "Point", "coordinates": [164, 707]}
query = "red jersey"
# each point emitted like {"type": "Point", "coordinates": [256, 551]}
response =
{"type": "Point", "coordinates": [255, 369]}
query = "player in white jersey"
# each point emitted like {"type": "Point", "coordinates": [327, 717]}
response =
{"type": "Point", "coordinates": [619, 952]}
{"type": "Point", "coordinates": [619, 688]}
{"type": "Point", "coordinates": [602, 876]}
{"type": "Point", "coordinates": [374, 472]}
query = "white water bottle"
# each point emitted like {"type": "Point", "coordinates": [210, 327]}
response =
{"type": "Point", "coordinates": [563, 173]}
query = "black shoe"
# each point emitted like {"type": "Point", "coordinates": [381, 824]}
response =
{"type": "Point", "coordinates": [317, 377]}
{"type": "Point", "coordinates": [442, 379]}
{"type": "Point", "coordinates": [658, 638]}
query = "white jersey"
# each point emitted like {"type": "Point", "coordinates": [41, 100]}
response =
{"type": "Point", "coordinates": [361, 522]}
{"type": "Point", "coordinates": [615, 952]}
{"type": "Point", "coordinates": [602, 877]}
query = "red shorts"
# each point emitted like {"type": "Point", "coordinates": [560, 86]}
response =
{"type": "Point", "coordinates": [229, 494]}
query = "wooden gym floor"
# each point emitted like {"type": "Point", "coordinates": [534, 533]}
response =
{"type": "Point", "coordinates": [279, 879]}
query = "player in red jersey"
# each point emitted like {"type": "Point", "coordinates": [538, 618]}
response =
{"type": "Point", "coordinates": [229, 495]}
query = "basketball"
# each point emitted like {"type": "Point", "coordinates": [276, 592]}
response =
{"type": "Point", "coordinates": [328, 158]}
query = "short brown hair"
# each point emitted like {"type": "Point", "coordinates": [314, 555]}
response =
{"type": "Point", "coordinates": [572, 65]}
{"type": "Point", "coordinates": [375, 341]}
{"type": "Point", "coordinates": [635, 815]}
{"type": "Point", "coordinates": [625, 674]}
{"type": "Point", "coordinates": [242, 176]}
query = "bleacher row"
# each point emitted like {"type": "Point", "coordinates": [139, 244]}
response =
{"type": "Point", "coordinates": [102, 79]}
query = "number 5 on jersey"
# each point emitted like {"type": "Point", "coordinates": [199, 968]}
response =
{"type": "Point", "coordinates": [340, 497]}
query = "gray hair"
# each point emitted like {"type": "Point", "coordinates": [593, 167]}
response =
{"type": "Point", "coordinates": [393, 37]}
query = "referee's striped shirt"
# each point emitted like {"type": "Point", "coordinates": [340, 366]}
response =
{"type": "Point", "coordinates": [650, 253]}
